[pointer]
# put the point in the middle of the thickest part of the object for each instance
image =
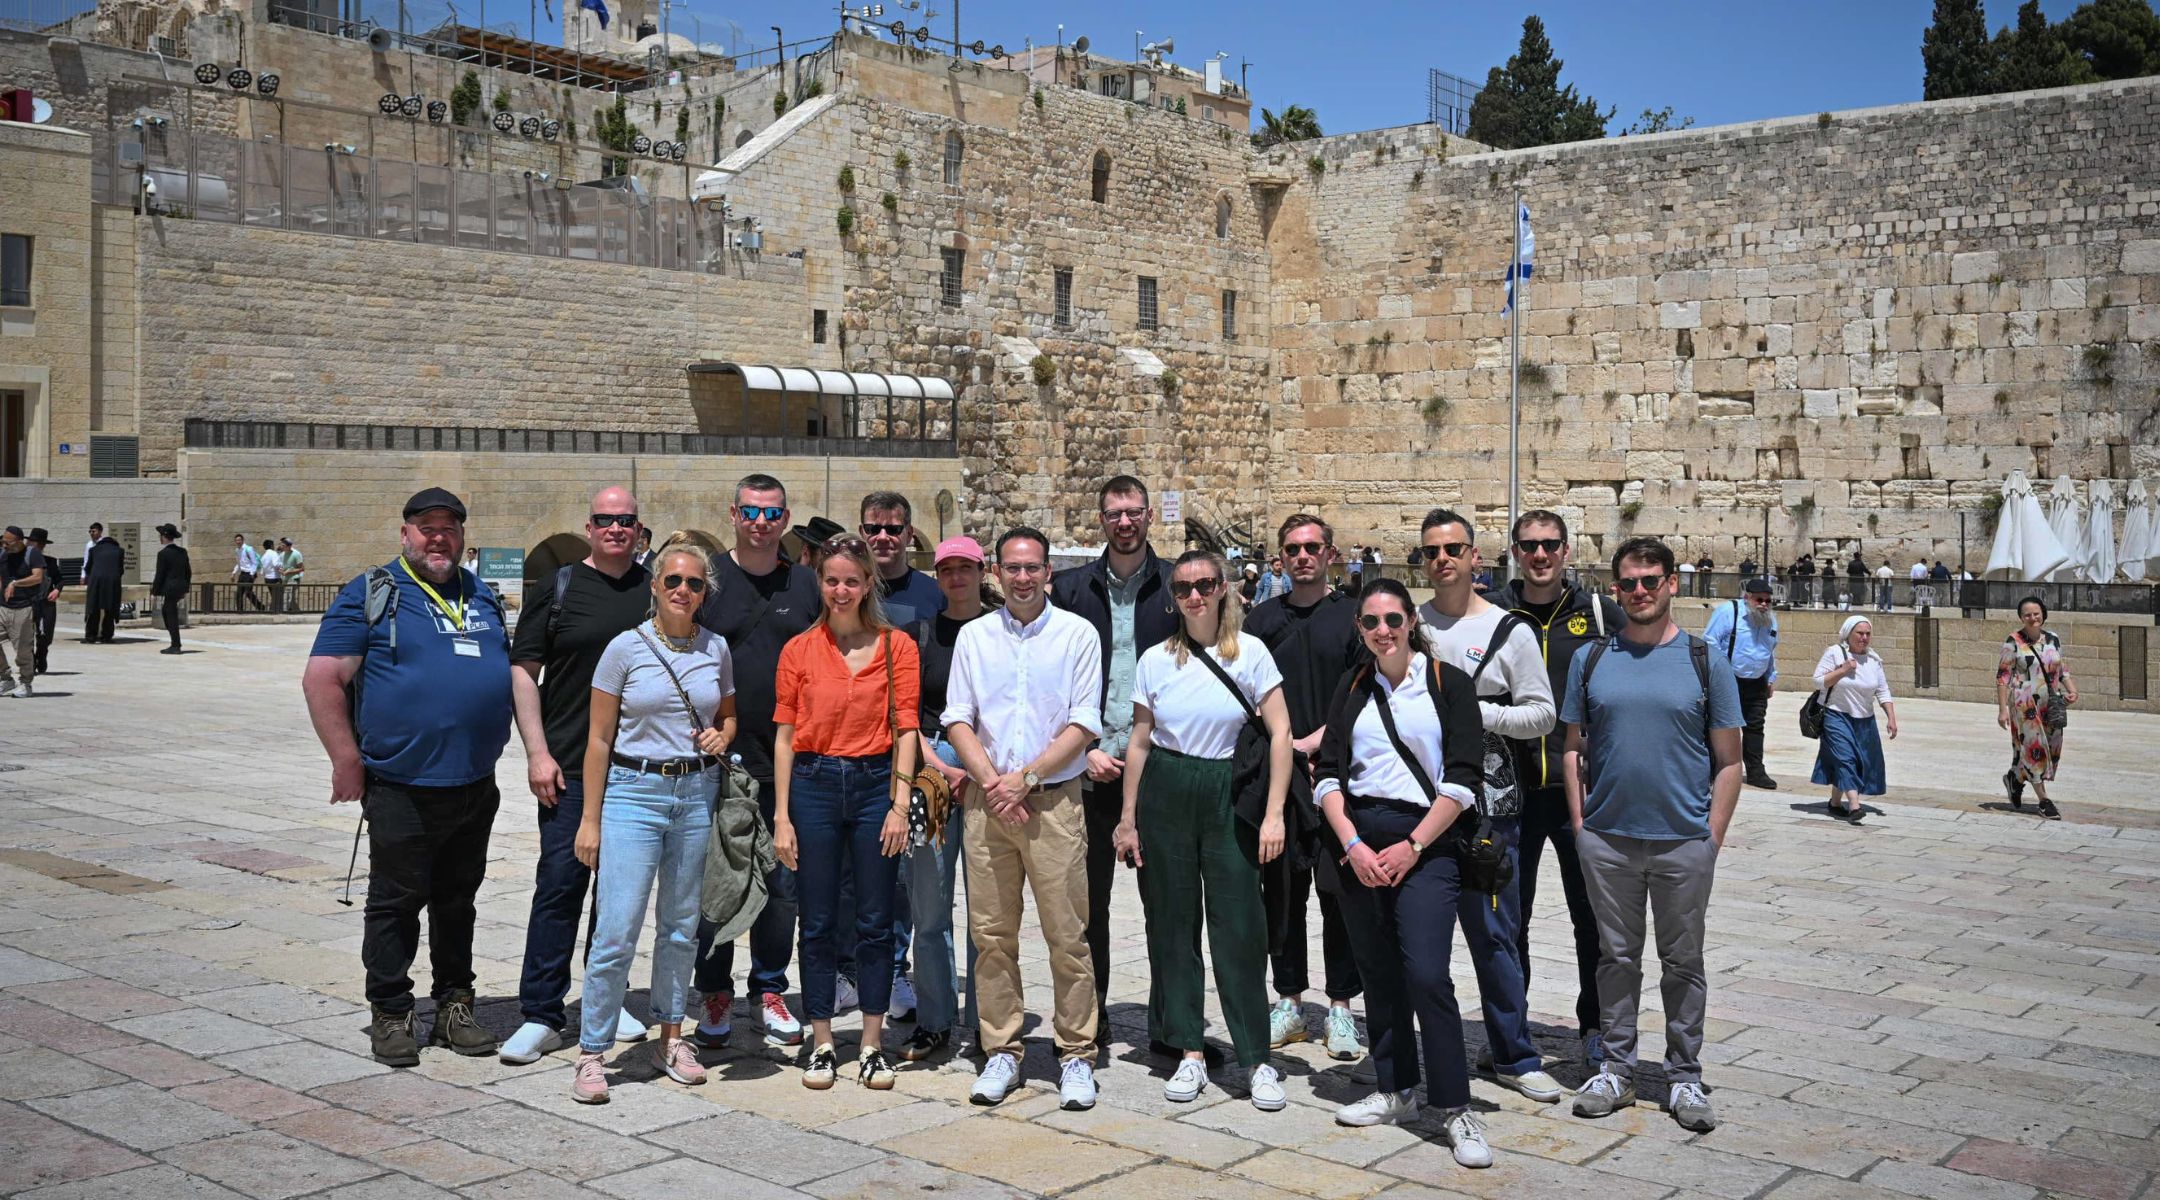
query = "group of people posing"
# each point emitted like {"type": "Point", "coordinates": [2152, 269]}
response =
{"type": "Point", "coordinates": [749, 745]}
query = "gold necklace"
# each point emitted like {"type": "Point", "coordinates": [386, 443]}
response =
{"type": "Point", "coordinates": [678, 645]}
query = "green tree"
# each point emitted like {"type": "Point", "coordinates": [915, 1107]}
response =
{"type": "Point", "coordinates": [2036, 55]}
{"type": "Point", "coordinates": [615, 130]}
{"type": "Point", "coordinates": [1296, 124]}
{"type": "Point", "coordinates": [1955, 51]}
{"type": "Point", "coordinates": [464, 98]}
{"type": "Point", "coordinates": [2118, 39]}
{"type": "Point", "coordinates": [1523, 103]}
{"type": "Point", "coordinates": [1660, 121]}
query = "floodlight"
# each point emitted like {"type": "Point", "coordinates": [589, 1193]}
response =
{"type": "Point", "coordinates": [530, 127]}
{"type": "Point", "coordinates": [266, 83]}
{"type": "Point", "coordinates": [678, 152]}
{"type": "Point", "coordinates": [436, 111]}
{"type": "Point", "coordinates": [412, 105]}
{"type": "Point", "coordinates": [240, 78]}
{"type": "Point", "coordinates": [209, 73]}
{"type": "Point", "coordinates": [641, 144]}
{"type": "Point", "coordinates": [504, 122]}
{"type": "Point", "coordinates": [390, 103]}
{"type": "Point", "coordinates": [551, 130]}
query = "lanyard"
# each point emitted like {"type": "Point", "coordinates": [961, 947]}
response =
{"type": "Point", "coordinates": [456, 613]}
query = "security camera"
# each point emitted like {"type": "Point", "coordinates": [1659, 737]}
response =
{"type": "Point", "coordinates": [329, 147]}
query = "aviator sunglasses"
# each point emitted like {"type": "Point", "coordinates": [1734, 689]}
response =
{"type": "Point", "coordinates": [696, 583]}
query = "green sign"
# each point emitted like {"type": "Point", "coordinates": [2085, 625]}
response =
{"type": "Point", "coordinates": [502, 564]}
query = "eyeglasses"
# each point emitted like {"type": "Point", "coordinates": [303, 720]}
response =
{"type": "Point", "coordinates": [1306, 549]}
{"type": "Point", "coordinates": [871, 529]}
{"type": "Point", "coordinates": [625, 520]}
{"type": "Point", "coordinates": [1186, 587]}
{"type": "Point", "coordinates": [1372, 621]}
{"type": "Point", "coordinates": [1529, 546]}
{"type": "Point", "coordinates": [1451, 549]}
{"type": "Point", "coordinates": [764, 512]}
{"type": "Point", "coordinates": [1122, 515]}
{"type": "Point", "coordinates": [1023, 568]}
{"type": "Point", "coordinates": [696, 583]}
{"type": "Point", "coordinates": [1648, 583]}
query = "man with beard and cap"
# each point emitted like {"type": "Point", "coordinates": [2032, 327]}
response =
{"type": "Point", "coordinates": [408, 686]}
{"type": "Point", "coordinates": [170, 585]}
{"type": "Point", "coordinates": [104, 566]}
{"type": "Point", "coordinates": [22, 585]}
{"type": "Point", "coordinates": [48, 608]}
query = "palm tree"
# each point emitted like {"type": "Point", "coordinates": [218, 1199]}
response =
{"type": "Point", "coordinates": [1296, 124]}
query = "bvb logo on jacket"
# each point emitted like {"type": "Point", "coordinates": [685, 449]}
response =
{"type": "Point", "coordinates": [1578, 625]}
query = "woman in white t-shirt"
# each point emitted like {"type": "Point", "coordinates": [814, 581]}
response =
{"type": "Point", "coordinates": [1181, 829]}
{"type": "Point", "coordinates": [1849, 755]}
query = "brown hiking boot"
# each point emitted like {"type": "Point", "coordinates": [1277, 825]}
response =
{"type": "Point", "coordinates": [392, 1038]}
{"type": "Point", "coordinates": [456, 1027]}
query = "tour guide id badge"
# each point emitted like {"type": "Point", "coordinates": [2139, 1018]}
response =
{"type": "Point", "coordinates": [462, 643]}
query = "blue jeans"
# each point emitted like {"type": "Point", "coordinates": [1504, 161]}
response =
{"type": "Point", "coordinates": [560, 882]}
{"type": "Point", "coordinates": [651, 828]}
{"type": "Point", "coordinates": [1490, 925]}
{"type": "Point", "coordinates": [772, 935]}
{"type": "Point", "coordinates": [838, 808]}
{"type": "Point", "coordinates": [928, 872]}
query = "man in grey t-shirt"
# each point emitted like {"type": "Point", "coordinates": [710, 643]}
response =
{"type": "Point", "coordinates": [1659, 718]}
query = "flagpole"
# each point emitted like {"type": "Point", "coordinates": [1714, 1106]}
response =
{"type": "Point", "coordinates": [1514, 426]}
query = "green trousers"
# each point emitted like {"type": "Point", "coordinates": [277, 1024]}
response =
{"type": "Point", "coordinates": [1197, 857]}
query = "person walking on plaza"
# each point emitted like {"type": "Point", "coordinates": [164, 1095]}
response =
{"type": "Point", "coordinates": [1398, 770]}
{"type": "Point", "coordinates": [293, 564]}
{"type": "Point", "coordinates": [1849, 755]}
{"type": "Point", "coordinates": [420, 645]}
{"type": "Point", "coordinates": [2033, 692]}
{"type": "Point", "coordinates": [1021, 709]}
{"type": "Point", "coordinates": [1125, 597]}
{"type": "Point", "coordinates": [48, 606]}
{"type": "Point", "coordinates": [1566, 618]}
{"type": "Point", "coordinates": [930, 869]}
{"type": "Point", "coordinates": [104, 567]}
{"type": "Point", "coordinates": [662, 715]}
{"type": "Point", "coordinates": [845, 707]}
{"type": "Point", "coordinates": [273, 574]}
{"type": "Point", "coordinates": [1745, 632]}
{"type": "Point", "coordinates": [246, 565]}
{"type": "Point", "coordinates": [1276, 582]}
{"type": "Point", "coordinates": [1181, 826]}
{"type": "Point", "coordinates": [1885, 582]}
{"type": "Point", "coordinates": [1658, 714]}
{"type": "Point", "coordinates": [573, 619]}
{"type": "Point", "coordinates": [22, 587]}
{"type": "Point", "coordinates": [171, 583]}
{"type": "Point", "coordinates": [1499, 652]}
{"type": "Point", "coordinates": [757, 601]}
{"type": "Point", "coordinates": [1311, 633]}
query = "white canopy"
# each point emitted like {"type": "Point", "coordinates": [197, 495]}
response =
{"type": "Point", "coordinates": [818, 382]}
{"type": "Point", "coordinates": [2066, 517]}
{"type": "Point", "coordinates": [2096, 553]}
{"type": "Point", "coordinates": [2139, 539]}
{"type": "Point", "coordinates": [2025, 547]}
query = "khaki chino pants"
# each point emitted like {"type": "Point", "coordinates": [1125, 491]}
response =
{"type": "Point", "coordinates": [1049, 855]}
{"type": "Point", "coordinates": [18, 642]}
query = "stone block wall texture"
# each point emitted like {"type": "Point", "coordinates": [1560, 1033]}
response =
{"type": "Point", "coordinates": [65, 508]}
{"type": "Point", "coordinates": [1861, 320]}
{"type": "Point", "coordinates": [45, 347]}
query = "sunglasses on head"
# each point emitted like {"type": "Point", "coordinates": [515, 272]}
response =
{"type": "Point", "coordinates": [765, 512]}
{"type": "Point", "coordinates": [696, 583]}
{"type": "Point", "coordinates": [871, 529]}
{"type": "Point", "coordinates": [1186, 587]}
{"type": "Point", "coordinates": [1648, 583]}
{"type": "Point", "coordinates": [1308, 549]}
{"type": "Point", "coordinates": [1372, 621]}
{"type": "Point", "coordinates": [603, 520]}
{"type": "Point", "coordinates": [1529, 546]}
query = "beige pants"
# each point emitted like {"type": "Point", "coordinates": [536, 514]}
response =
{"type": "Point", "coordinates": [18, 641]}
{"type": "Point", "coordinates": [1049, 853]}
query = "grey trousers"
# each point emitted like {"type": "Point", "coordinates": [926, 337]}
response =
{"type": "Point", "coordinates": [1674, 876]}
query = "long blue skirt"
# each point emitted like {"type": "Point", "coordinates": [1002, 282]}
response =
{"type": "Point", "coordinates": [1849, 756]}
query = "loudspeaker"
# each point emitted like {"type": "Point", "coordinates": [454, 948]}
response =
{"type": "Point", "coordinates": [378, 40]}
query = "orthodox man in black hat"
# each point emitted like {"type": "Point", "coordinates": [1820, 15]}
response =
{"type": "Point", "coordinates": [171, 582]}
{"type": "Point", "coordinates": [104, 566]}
{"type": "Point", "coordinates": [48, 607]}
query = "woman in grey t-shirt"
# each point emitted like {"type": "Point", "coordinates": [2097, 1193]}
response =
{"type": "Point", "coordinates": [663, 713]}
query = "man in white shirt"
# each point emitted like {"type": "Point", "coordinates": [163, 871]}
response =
{"type": "Point", "coordinates": [273, 573]}
{"type": "Point", "coordinates": [1022, 705]}
{"type": "Point", "coordinates": [1499, 651]}
{"type": "Point", "coordinates": [246, 564]}
{"type": "Point", "coordinates": [1885, 579]}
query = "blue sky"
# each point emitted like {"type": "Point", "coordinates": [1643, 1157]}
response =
{"type": "Point", "coordinates": [1362, 65]}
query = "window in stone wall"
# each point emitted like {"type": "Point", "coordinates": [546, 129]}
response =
{"type": "Point", "coordinates": [15, 270]}
{"type": "Point", "coordinates": [953, 150]}
{"type": "Point", "coordinates": [949, 278]}
{"type": "Point", "coordinates": [1061, 312]}
{"type": "Point", "coordinates": [1229, 316]}
{"type": "Point", "coordinates": [1148, 316]}
{"type": "Point", "coordinates": [742, 137]}
{"type": "Point", "coordinates": [817, 326]}
{"type": "Point", "coordinates": [14, 435]}
{"type": "Point", "coordinates": [1222, 216]}
{"type": "Point", "coordinates": [1099, 185]}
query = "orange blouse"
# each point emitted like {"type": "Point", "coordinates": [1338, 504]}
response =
{"type": "Point", "coordinates": [841, 712]}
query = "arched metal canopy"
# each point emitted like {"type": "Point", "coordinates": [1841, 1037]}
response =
{"type": "Point", "coordinates": [818, 382]}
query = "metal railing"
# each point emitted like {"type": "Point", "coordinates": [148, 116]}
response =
{"type": "Point", "coordinates": [202, 434]}
{"type": "Point", "coordinates": [42, 16]}
{"type": "Point", "coordinates": [264, 597]}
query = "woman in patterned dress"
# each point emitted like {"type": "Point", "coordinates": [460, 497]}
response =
{"type": "Point", "coordinates": [2031, 674]}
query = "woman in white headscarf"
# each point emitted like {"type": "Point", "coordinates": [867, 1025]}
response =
{"type": "Point", "coordinates": [1849, 757]}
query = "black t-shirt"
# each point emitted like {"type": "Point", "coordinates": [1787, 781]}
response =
{"type": "Point", "coordinates": [937, 652]}
{"type": "Point", "coordinates": [757, 614]}
{"type": "Point", "coordinates": [1314, 647]}
{"type": "Point", "coordinates": [594, 610]}
{"type": "Point", "coordinates": [1543, 614]}
{"type": "Point", "coordinates": [18, 565]}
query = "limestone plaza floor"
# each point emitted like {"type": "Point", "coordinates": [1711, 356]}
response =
{"type": "Point", "coordinates": [1948, 1001]}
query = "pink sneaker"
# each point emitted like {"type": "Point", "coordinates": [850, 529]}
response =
{"type": "Point", "coordinates": [674, 1056]}
{"type": "Point", "coordinates": [590, 1084]}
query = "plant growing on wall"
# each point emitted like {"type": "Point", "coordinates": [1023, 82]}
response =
{"type": "Point", "coordinates": [1171, 384]}
{"type": "Point", "coordinates": [901, 162]}
{"type": "Point", "coordinates": [813, 89]}
{"type": "Point", "coordinates": [779, 103]}
{"type": "Point", "coordinates": [2100, 364]}
{"type": "Point", "coordinates": [1417, 178]}
{"type": "Point", "coordinates": [1436, 409]}
{"type": "Point", "coordinates": [1045, 370]}
{"type": "Point", "coordinates": [682, 124]}
{"type": "Point", "coordinates": [847, 178]}
{"type": "Point", "coordinates": [846, 220]}
{"type": "Point", "coordinates": [1317, 165]}
{"type": "Point", "coordinates": [1038, 99]}
{"type": "Point", "coordinates": [502, 100]}
{"type": "Point", "coordinates": [464, 98]}
{"type": "Point", "coordinates": [616, 131]}
{"type": "Point", "coordinates": [1180, 110]}
{"type": "Point", "coordinates": [719, 122]}
{"type": "Point", "coordinates": [890, 202]}
{"type": "Point", "coordinates": [1534, 376]}
{"type": "Point", "coordinates": [1631, 510]}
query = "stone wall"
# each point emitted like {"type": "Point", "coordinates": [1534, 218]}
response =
{"type": "Point", "coordinates": [1860, 320]}
{"type": "Point", "coordinates": [65, 508]}
{"type": "Point", "coordinates": [45, 346]}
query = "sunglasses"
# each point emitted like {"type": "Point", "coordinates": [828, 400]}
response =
{"type": "Point", "coordinates": [1372, 621]}
{"type": "Point", "coordinates": [696, 583]}
{"type": "Point", "coordinates": [1529, 546]}
{"type": "Point", "coordinates": [625, 520]}
{"type": "Point", "coordinates": [1307, 549]}
{"type": "Point", "coordinates": [762, 512]}
{"type": "Point", "coordinates": [1451, 549]}
{"type": "Point", "coordinates": [1648, 583]}
{"type": "Point", "coordinates": [872, 530]}
{"type": "Point", "coordinates": [1186, 587]}
{"type": "Point", "coordinates": [844, 545]}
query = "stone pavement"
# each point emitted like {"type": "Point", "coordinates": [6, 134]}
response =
{"type": "Point", "coordinates": [1948, 1001]}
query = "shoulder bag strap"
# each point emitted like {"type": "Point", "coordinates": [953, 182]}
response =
{"type": "Point", "coordinates": [1732, 635]}
{"type": "Point", "coordinates": [1387, 722]}
{"type": "Point", "coordinates": [1508, 622]}
{"type": "Point", "coordinates": [1208, 660]}
{"type": "Point", "coordinates": [660, 656]}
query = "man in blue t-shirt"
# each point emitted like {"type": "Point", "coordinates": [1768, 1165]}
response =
{"type": "Point", "coordinates": [1658, 716]}
{"type": "Point", "coordinates": [409, 689]}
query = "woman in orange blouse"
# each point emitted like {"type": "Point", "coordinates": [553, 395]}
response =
{"type": "Point", "coordinates": [841, 791]}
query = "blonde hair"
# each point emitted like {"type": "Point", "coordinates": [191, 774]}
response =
{"type": "Point", "coordinates": [856, 551]}
{"type": "Point", "coordinates": [1231, 617]}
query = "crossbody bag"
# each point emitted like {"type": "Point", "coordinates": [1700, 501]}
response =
{"type": "Point", "coordinates": [1481, 859]}
{"type": "Point", "coordinates": [1249, 776]}
{"type": "Point", "coordinates": [929, 794]}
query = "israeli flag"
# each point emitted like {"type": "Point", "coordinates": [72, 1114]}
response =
{"type": "Point", "coordinates": [1525, 246]}
{"type": "Point", "coordinates": [597, 7]}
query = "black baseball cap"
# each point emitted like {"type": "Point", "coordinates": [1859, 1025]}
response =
{"type": "Point", "coordinates": [16, 530]}
{"type": "Point", "coordinates": [433, 498]}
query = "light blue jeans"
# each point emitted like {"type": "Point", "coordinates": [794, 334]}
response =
{"type": "Point", "coordinates": [929, 871]}
{"type": "Point", "coordinates": [651, 828]}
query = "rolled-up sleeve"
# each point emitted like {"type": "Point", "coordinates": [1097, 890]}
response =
{"type": "Point", "coordinates": [1085, 686]}
{"type": "Point", "coordinates": [907, 683]}
{"type": "Point", "coordinates": [961, 704]}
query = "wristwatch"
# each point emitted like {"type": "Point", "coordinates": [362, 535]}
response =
{"type": "Point", "coordinates": [1416, 844]}
{"type": "Point", "coordinates": [1031, 779]}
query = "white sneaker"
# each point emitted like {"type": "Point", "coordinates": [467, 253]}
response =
{"type": "Point", "coordinates": [1467, 1136]}
{"type": "Point", "coordinates": [1380, 1108]}
{"type": "Point", "coordinates": [1000, 1074]}
{"type": "Point", "coordinates": [846, 998]}
{"type": "Point", "coordinates": [530, 1043]}
{"type": "Point", "coordinates": [1537, 1085]}
{"type": "Point", "coordinates": [1076, 1085]}
{"type": "Point", "coordinates": [782, 1028]}
{"type": "Point", "coordinates": [22, 691]}
{"type": "Point", "coordinates": [1184, 1085]}
{"type": "Point", "coordinates": [1265, 1088]}
{"type": "Point", "coordinates": [629, 1028]}
{"type": "Point", "coordinates": [902, 1007]}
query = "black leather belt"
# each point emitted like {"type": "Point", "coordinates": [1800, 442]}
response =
{"type": "Point", "coordinates": [671, 768]}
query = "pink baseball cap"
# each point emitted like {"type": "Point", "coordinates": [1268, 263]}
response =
{"type": "Point", "coordinates": [959, 547]}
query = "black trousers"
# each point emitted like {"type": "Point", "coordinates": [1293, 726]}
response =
{"type": "Point", "coordinates": [427, 851]}
{"type": "Point", "coordinates": [170, 610]}
{"type": "Point", "coordinates": [1754, 704]}
{"type": "Point", "coordinates": [1102, 804]}
{"type": "Point", "coordinates": [247, 596]}
{"type": "Point", "coordinates": [1545, 819]}
{"type": "Point", "coordinates": [1404, 935]}
{"type": "Point", "coordinates": [1291, 973]}
{"type": "Point", "coordinates": [101, 607]}
{"type": "Point", "coordinates": [48, 616]}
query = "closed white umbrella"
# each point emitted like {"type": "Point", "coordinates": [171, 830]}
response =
{"type": "Point", "coordinates": [2137, 536]}
{"type": "Point", "coordinates": [2025, 547]}
{"type": "Point", "coordinates": [2096, 556]}
{"type": "Point", "coordinates": [2066, 517]}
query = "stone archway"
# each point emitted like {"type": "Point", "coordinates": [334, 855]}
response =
{"type": "Point", "coordinates": [554, 552]}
